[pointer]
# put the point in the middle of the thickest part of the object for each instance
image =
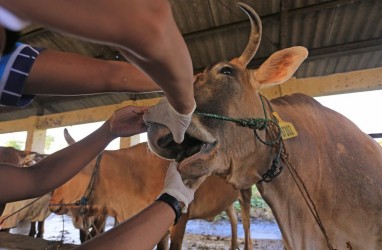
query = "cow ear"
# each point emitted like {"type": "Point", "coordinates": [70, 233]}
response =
{"type": "Point", "coordinates": [280, 66]}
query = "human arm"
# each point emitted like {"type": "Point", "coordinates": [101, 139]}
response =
{"type": "Point", "coordinates": [64, 73]}
{"type": "Point", "coordinates": [142, 231]}
{"type": "Point", "coordinates": [144, 30]}
{"type": "Point", "coordinates": [56, 169]}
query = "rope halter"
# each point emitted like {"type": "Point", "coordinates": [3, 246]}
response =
{"type": "Point", "coordinates": [258, 124]}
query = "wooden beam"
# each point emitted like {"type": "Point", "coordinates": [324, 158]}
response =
{"type": "Point", "coordinates": [69, 118]}
{"type": "Point", "coordinates": [356, 81]}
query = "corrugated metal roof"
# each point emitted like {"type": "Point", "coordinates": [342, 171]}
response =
{"type": "Point", "coordinates": [341, 35]}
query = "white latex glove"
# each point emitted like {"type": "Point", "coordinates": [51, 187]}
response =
{"type": "Point", "coordinates": [165, 114]}
{"type": "Point", "coordinates": [175, 187]}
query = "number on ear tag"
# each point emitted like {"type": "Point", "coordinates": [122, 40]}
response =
{"type": "Point", "coordinates": [287, 129]}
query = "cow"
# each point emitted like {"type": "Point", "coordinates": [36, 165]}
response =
{"type": "Point", "coordinates": [130, 179]}
{"type": "Point", "coordinates": [34, 210]}
{"type": "Point", "coordinates": [322, 179]}
{"type": "Point", "coordinates": [11, 155]}
{"type": "Point", "coordinates": [30, 210]}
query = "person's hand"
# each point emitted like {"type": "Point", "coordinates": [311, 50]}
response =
{"type": "Point", "coordinates": [128, 121]}
{"type": "Point", "coordinates": [175, 187]}
{"type": "Point", "coordinates": [165, 114]}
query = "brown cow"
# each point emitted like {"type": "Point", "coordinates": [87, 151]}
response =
{"type": "Point", "coordinates": [328, 193]}
{"type": "Point", "coordinates": [130, 179]}
{"type": "Point", "coordinates": [11, 155]}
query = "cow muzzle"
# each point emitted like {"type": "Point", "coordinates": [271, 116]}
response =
{"type": "Point", "coordinates": [197, 143]}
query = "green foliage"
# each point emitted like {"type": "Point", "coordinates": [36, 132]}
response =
{"type": "Point", "coordinates": [256, 200]}
{"type": "Point", "coordinates": [258, 205]}
{"type": "Point", "coordinates": [49, 139]}
{"type": "Point", "coordinates": [15, 144]}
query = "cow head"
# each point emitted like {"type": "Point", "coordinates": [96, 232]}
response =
{"type": "Point", "coordinates": [228, 88]}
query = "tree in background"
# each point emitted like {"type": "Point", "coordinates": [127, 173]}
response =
{"type": "Point", "coordinates": [15, 144]}
{"type": "Point", "coordinates": [20, 144]}
{"type": "Point", "coordinates": [49, 139]}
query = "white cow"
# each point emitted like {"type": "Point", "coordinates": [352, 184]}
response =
{"type": "Point", "coordinates": [32, 210]}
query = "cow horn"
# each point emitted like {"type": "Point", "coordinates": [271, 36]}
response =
{"type": "Point", "coordinates": [255, 37]}
{"type": "Point", "coordinates": [68, 138]}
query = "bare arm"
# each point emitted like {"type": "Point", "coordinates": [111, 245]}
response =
{"type": "Point", "coordinates": [144, 29]}
{"type": "Point", "coordinates": [143, 231]}
{"type": "Point", "coordinates": [64, 73]}
{"type": "Point", "coordinates": [22, 183]}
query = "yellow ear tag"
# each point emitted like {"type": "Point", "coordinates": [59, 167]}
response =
{"type": "Point", "coordinates": [287, 129]}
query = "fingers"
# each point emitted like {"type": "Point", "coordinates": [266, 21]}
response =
{"type": "Point", "coordinates": [139, 110]}
{"type": "Point", "coordinates": [166, 115]}
{"type": "Point", "coordinates": [128, 121]}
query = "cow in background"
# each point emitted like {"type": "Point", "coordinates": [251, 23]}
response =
{"type": "Point", "coordinates": [12, 156]}
{"type": "Point", "coordinates": [130, 179]}
{"type": "Point", "coordinates": [34, 210]}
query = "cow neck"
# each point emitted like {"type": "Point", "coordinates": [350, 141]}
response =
{"type": "Point", "coordinates": [89, 190]}
{"type": "Point", "coordinates": [84, 201]}
{"type": "Point", "coordinates": [272, 131]}
{"type": "Point", "coordinates": [284, 157]}
{"type": "Point", "coordinates": [273, 136]}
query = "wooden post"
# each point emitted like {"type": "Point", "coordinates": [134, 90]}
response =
{"type": "Point", "coordinates": [36, 140]}
{"type": "Point", "coordinates": [125, 142]}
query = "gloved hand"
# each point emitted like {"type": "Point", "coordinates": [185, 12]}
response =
{"type": "Point", "coordinates": [175, 187]}
{"type": "Point", "coordinates": [165, 114]}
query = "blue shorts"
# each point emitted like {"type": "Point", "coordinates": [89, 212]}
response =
{"type": "Point", "coordinates": [14, 70]}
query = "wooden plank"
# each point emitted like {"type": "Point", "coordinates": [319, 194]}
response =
{"type": "Point", "coordinates": [69, 118]}
{"type": "Point", "coordinates": [356, 81]}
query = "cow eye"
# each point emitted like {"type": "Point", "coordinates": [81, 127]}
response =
{"type": "Point", "coordinates": [227, 71]}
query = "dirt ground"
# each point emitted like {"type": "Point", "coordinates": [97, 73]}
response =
{"type": "Point", "coordinates": [60, 234]}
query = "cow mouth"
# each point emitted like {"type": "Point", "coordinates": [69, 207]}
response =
{"type": "Point", "coordinates": [191, 147]}
{"type": "Point", "coordinates": [198, 144]}
{"type": "Point", "coordinates": [59, 210]}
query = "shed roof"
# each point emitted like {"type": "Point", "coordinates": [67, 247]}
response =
{"type": "Point", "coordinates": [341, 36]}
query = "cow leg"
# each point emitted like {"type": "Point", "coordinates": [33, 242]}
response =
{"type": "Point", "coordinates": [163, 243]}
{"type": "Point", "coordinates": [40, 229]}
{"type": "Point", "coordinates": [245, 203]}
{"type": "Point", "coordinates": [83, 235]}
{"type": "Point", "coordinates": [177, 233]}
{"type": "Point", "coordinates": [98, 225]}
{"type": "Point", "coordinates": [231, 213]}
{"type": "Point", "coordinates": [32, 230]}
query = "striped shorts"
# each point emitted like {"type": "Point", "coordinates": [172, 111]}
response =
{"type": "Point", "coordinates": [14, 70]}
